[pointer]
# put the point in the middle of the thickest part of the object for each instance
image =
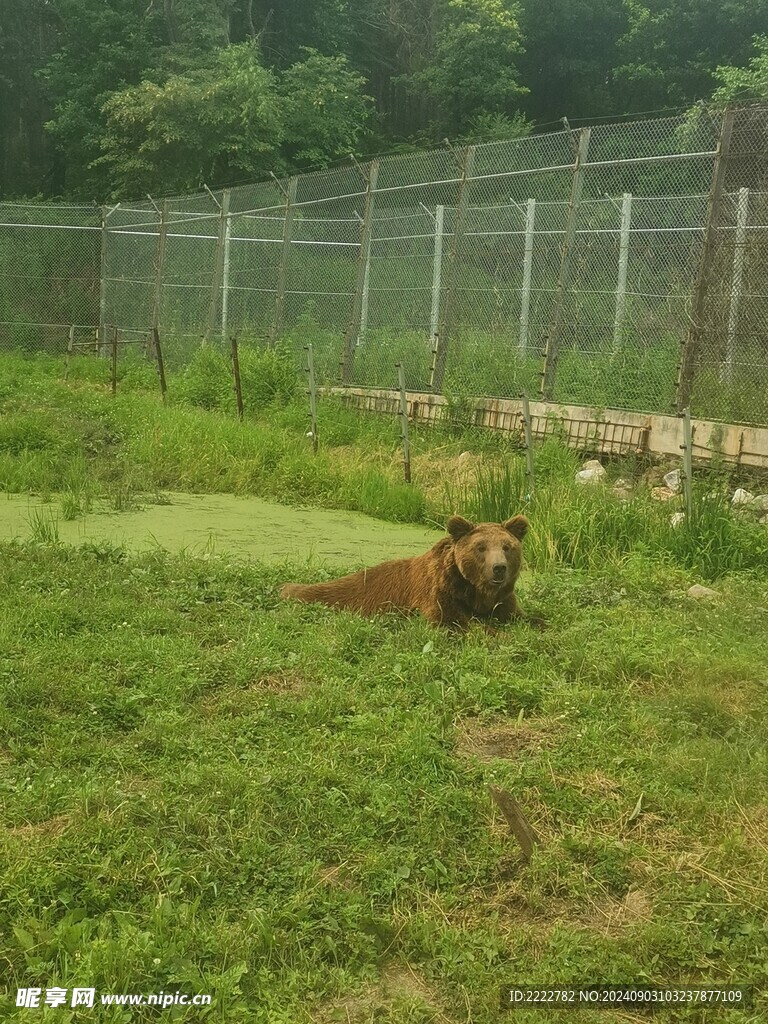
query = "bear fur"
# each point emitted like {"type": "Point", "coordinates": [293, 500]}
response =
{"type": "Point", "coordinates": [470, 574]}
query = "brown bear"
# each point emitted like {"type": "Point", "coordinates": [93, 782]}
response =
{"type": "Point", "coordinates": [469, 574]}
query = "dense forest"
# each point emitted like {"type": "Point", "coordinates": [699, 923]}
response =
{"type": "Point", "coordinates": [102, 98]}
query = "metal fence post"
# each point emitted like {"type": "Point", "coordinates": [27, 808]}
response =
{"type": "Point", "coordinates": [437, 272]}
{"type": "Point", "coordinates": [449, 306]}
{"type": "Point", "coordinates": [160, 266]}
{"type": "Point", "coordinates": [218, 268]}
{"type": "Point", "coordinates": [366, 230]}
{"type": "Point", "coordinates": [285, 255]}
{"type": "Point", "coordinates": [364, 300]}
{"type": "Point", "coordinates": [225, 275]}
{"type": "Point", "coordinates": [739, 255]}
{"type": "Point", "coordinates": [101, 337]}
{"type": "Point", "coordinates": [525, 296]}
{"type": "Point", "coordinates": [552, 348]}
{"type": "Point", "coordinates": [621, 285]}
{"type": "Point", "coordinates": [692, 344]}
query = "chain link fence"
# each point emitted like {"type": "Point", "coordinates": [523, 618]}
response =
{"type": "Point", "coordinates": [617, 266]}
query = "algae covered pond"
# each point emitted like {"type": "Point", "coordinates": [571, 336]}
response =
{"type": "Point", "coordinates": [225, 524]}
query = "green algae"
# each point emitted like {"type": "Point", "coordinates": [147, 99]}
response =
{"type": "Point", "coordinates": [224, 524]}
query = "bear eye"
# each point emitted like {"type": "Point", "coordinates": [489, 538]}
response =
{"type": "Point", "coordinates": [507, 547]}
{"type": "Point", "coordinates": [482, 548]}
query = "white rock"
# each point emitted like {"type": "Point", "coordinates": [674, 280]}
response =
{"type": "Point", "coordinates": [673, 480]}
{"type": "Point", "coordinates": [700, 593]}
{"type": "Point", "coordinates": [764, 520]}
{"type": "Point", "coordinates": [589, 476]}
{"type": "Point", "coordinates": [595, 465]}
{"type": "Point", "coordinates": [465, 457]}
{"type": "Point", "coordinates": [760, 503]}
{"type": "Point", "coordinates": [742, 497]}
{"type": "Point", "coordinates": [676, 518]}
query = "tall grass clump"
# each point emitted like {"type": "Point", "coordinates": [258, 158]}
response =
{"type": "Point", "coordinates": [714, 541]}
{"type": "Point", "coordinates": [268, 375]}
{"type": "Point", "coordinates": [207, 380]}
{"type": "Point", "coordinates": [590, 528]}
{"type": "Point", "coordinates": [43, 526]}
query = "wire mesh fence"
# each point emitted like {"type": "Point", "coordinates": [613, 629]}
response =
{"type": "Point", "coordinates": [619, 266]}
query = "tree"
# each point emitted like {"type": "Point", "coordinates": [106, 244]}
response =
{"type": "Point", "coordinates": [231, 118]}
{"type": "Point", "coordinates": [670, 52]}
{"type": "Point", "coordinates": [325, 112]}
{"type": "Point", "coordinates": [100, 47]}
{"type": "Point", "coordinates": [571, 48]}
{"type": "Point", "coordinates": [207, 126]}
{"type": "Point", "coordinates": [744, 85]}
{"type": "Point", "coordinates": [474, 69]}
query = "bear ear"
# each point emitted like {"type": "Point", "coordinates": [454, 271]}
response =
{"type": "Point", "coordinates": [458, 527]}
{"type": "Point", "coordinates": [518, 526]}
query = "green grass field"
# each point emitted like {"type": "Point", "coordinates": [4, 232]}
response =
{"type": "Point", "coordinates": [204, 789]}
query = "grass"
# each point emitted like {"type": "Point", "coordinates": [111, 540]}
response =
{"type": "Point", "coordinates": [74, 439]}
{"type": "Point", "coordinates": [207, 790]}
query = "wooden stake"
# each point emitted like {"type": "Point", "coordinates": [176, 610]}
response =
{"type": "Point", "coordinates": [516, 820]}
{"type": "Point", "coordinates": [236, 375]}
{"type": "Point", "coordinates": [687, 447]}
{"type": "Point", "coordinates": [114, 359]}
{"type": "Point", "coordinates": [70, 345]}
{"type": "Point", "coordinates": [312, 396]}
{"type": "Point", "coordinates": [528, 432]}
{"type": "Point", "coordinates": [404, 423]}
{"type": "Point", "coordinates": [159, 358]}
{"type": "Point", "coordinates": [162, 241]}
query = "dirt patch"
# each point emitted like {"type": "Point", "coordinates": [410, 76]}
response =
{"type": "Point", "coordinates": [333, 876]}
{"type": "Point", "coordinates": [489, 741]}
{"type": "Point", "coordinates": [281, 682]}
{"type": "Point", "coordinates": [398, 986]}
{"type": "Point", "coordinates": [236, 702]}
{"type": "Point", "coordinates": [611, 917]}
{"type": "Point", "coordinates": [48, 829]}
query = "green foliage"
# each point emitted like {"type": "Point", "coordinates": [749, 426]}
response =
{"type": "Point", "coordinates": [474, 70]}
{"type": "Point", "coordinates": [744, 85]}
{"type": "Point", "coordinates": [126, 95]}
{"type": "Point", "coordinates": [670, 52]}
{"type": "Point", "coordinates": [268, 375]}
{"type": "Point", "coordinates": [230, 116]}
{"type": "Point", "coordinates": [495, 127]}
{"type": "Point", "coordinates": [207, 380]}
{"type": "Point", "coordinates": [325, 112]}
{"type": "Point", "coordinates": [207, 125]}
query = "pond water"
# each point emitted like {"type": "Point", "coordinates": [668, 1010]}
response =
{"type": "Point", "coordinates": [225, 524]}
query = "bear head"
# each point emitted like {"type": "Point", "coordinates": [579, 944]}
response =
{"type": "Point", "coordinates": [488, 555]}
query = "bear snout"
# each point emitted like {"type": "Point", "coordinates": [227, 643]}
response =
{"type": "Point", "coordinates": [499, 571]}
